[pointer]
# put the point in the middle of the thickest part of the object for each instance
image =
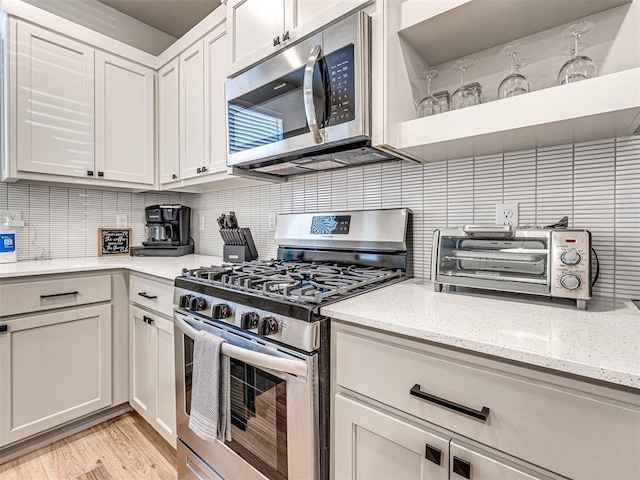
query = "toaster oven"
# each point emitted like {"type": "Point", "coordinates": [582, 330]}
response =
{"type": "Point", "coordinates": [539, 261]}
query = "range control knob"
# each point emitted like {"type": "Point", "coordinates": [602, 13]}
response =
{"type": "Point", "coordinates": [197, 304]}
{"type": "Point", "coordinates": [221, 311]}
{"type": "Point", "coordinates": [267, 326]}
{"type": "Point", "coordinates": [184, 301]}
{"type": "Point", "coordinates": [249, 320]}
{"type": "Point", "coordinates": [570, 281]}
{"type": "Point", "coordinates": [570, 257]}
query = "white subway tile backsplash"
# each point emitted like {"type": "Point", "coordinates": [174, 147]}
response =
{"type": "Point", "coordinates": [596, 184]}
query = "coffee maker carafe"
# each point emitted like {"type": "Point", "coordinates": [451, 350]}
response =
{"type": "Point", "coordinates": [167, 226]}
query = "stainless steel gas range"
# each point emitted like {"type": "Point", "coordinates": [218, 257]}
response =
{"type": "Point", "coordinates": [278, 342]}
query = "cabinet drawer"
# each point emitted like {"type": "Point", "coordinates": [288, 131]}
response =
{"type": "Point", "coordinates": [152, 294]}
{"type": "Point", "coordinates": [524, 412]}
{"type": "Point", "coordinates": [42, 295]}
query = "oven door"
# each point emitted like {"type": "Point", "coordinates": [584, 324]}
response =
{"type": "Point", "coordinates": [274, 421]}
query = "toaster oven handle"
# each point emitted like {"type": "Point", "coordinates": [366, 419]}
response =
{"type": "Point", "coordinates": [307, 93]}
{"type": "Point", "coordinates": [256, 359]}
{"type": "Point", "coordinates": [489, 230]}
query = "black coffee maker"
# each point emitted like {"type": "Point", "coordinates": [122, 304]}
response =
{"type": "Point", "coordinates": [166, 231]}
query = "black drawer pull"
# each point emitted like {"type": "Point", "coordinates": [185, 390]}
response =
{"type": "Point", "coordinates": [146, 295]}
{"type": "Point", "coordinates": [59, 295]}
{"type": "Point", "coordinates": [148, 320]}
{"type": "Point", "coordinates": [433, 454]}
{"type": "Point", "coordinates": [461, 467]}
{"type": "Point", "coordinates": [479, 414]}
{"type": "Point", "coordinates": [4, 328]}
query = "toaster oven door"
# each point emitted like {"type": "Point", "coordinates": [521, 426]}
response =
{"type": "Point", "coordinates": [513, 264]}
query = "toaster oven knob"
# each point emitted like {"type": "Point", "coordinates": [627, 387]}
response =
{"type": "Point", "coordinates": [570, 281]}
{"type": "Point", "coordinates": [570, 257]}
{"type": "Point", "coordinates": [221, 311]}
{"type": "Point", "coordinates": [267, 326]}
{"type": "Point", "coordinates": [249, 320]}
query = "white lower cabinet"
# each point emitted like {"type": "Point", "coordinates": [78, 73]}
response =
{"type": "Point", "coordinates": [54, 368]}
{"type": "Point", "coordinates": [152, 370]}
{"type": "Point", "coordinates": [394, 398]}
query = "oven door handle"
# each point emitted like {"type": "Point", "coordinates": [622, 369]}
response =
{"type": "Point", "coordinates": [307, 93]}
{"type": "Point", "coordinates": [256, 359]}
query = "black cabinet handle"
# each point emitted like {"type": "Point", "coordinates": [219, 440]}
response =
{"type": "Point", "coordinates": [203, 169]}
{"type": "Point", "coordinates": [461, 467]}
{"type": "Point", "coordinates": [285, 35]}
{"type": "Point", "coordinates": [174, 176]}
{"type": "Point", "coordinates": [433, 454]}
{"type": "Point", "coordinates": [276, 41]}
{"type": "Point", "coordinates": [58, 295]}
{"type": "Point", "coordinates": [4, 328]}
{"type": "Point", "coordinates": [146, 295]}
{"type": "Point", "coordinates": [90, 173]}
{"type": "Point", "coordinates": [101, 174]}
{"type": "Point", "coordinates": [148, 320]}
{"type": "Point", "coordinates": [479, 414]}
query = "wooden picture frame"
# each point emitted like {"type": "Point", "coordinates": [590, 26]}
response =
{"type": "Point", "coordinates": [114, 242]}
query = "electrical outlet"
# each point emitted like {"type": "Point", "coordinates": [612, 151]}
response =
{"type": "Point", "coordinates": [201, 223]}
{"type": "Point", "coordinates": [507, 214]}
{"type": "Point", "coordinates": [273, 220]}
{"type": "Point", "coordinates": [13, 218]}
{"type": "Point", "coordinates": [122, 220]}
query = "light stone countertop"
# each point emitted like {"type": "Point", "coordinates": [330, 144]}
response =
{"type": "Point", "coordinates": [163, 267]}
{"type": "Point", "coordinates": [601, 343]}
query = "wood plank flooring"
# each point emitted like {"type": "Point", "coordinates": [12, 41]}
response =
{"type": "Point", "coordinates": [123, 448]}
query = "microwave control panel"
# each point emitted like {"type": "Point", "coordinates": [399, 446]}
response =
{"type": "Point", "coordinates": [342, 85]}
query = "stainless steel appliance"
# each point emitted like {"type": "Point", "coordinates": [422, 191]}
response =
{"type": "Point", "coordinates": [269, 313]}
{"type": "Point", "coordinates": [306, 109]}
{"type": "Point", "coordinates": [166, 231]}
{"type": "Point", "coordinates": [540, 261]}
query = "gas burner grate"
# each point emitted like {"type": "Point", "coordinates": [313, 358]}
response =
{"type": "Point", "coordinates": [298, 282]}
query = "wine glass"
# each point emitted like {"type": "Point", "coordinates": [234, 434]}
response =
{"type": "Point", "coordinates": [579, 67]}
{"type": "Point", "coordinates": [515, 83]}
{"type": "Point", "coordinates": [464, 96]}
{"type": "Point", "coordinates": [429, 105]}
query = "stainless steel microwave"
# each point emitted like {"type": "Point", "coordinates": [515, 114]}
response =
{"type": "Point", "coordinates": [306, 109]}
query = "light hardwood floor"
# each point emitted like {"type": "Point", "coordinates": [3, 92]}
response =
{"type": "Point", "coordinates": [123, 448]}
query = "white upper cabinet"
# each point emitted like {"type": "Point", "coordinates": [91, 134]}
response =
{"type": "Point", "coordinates": [259, 28]}
{"type": "Point", "coordinates": [54, 91]}
{"type": "Point", "coordinates": [216, 45]}
{"type": "Point", "coordinates": [192, 110]}
{"type": "Point", "coordinates": [124, 120]}
{"type": "Point", "coordinates": [169, 122]}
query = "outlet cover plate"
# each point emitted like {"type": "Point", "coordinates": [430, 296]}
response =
{"type": "Point", "coordinates": [122, 220]}
{"type": "Point", "coordinates": [272, 221]}
{"type": "Point", "coordinates": [201, 223]}
{"type": "Point", "coordinates": [507, 214]}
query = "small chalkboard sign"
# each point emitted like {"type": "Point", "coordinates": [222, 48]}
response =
{"type": "Point", "coordinates": [114, 242]}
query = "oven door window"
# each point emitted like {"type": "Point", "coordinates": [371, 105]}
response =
{"type": "Point", "coordinates": [275, 111]}
{"type": "Point", "coordinates": [258, 414]}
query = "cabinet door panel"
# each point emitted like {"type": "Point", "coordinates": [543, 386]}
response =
{"type": "Point", "coordinates": [165, 380]}
{"type": "Point", "coordinates": [252, 25]}
{"type": "Point", "coordinates": [370, 444]}
{"type": "Point", "coordinates": [192, 110]}
{"type": "Point", "coordinates": [54, 368]}
{"type": "Point", "coordinates": [216, 60]}
{"type": "Point", "coordinates": [306, 16]}
{"type": "Point", "coordinates": [168, 121]}
{"type": "Point", "coordinates": [141, 378]}
{"type": "Point", "coordinates": [124, 120]}
{"type": "Point", "coordinates": [485, 468]}
{"type": "Point", "coordinates": [55, 95]}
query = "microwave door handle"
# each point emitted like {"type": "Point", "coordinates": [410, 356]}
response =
{"type": "Point", "coordinates": [256, 359]}
{"type": "Point", "coordinates": [307, 92]}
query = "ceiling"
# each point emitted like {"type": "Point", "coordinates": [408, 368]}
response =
{"type": "Point", "coordinates": [174, 17]}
